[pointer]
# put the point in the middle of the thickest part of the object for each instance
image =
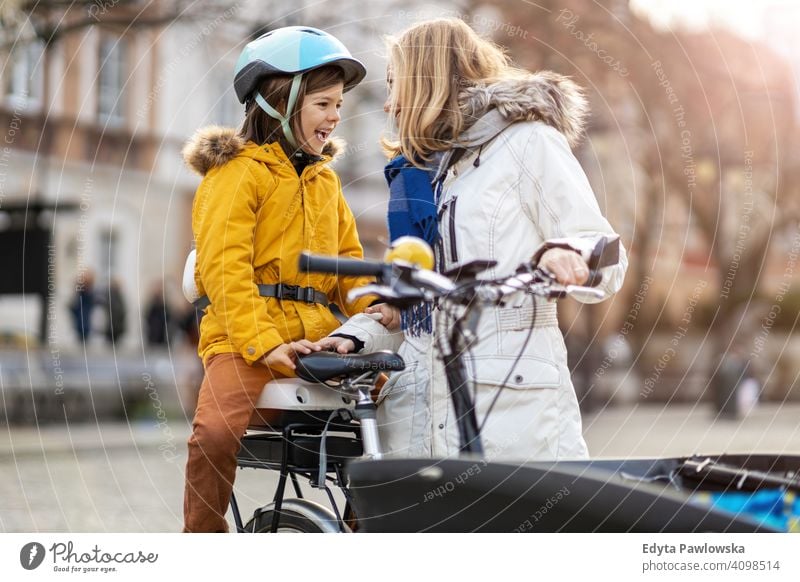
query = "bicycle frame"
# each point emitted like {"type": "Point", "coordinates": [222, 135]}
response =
{"type": "Point", "coordinates": [302, 447]}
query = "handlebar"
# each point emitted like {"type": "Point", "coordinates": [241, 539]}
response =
{"type": "Point", "coordinates": [402, 284]}
{"type": "Point", "coordinates": [343, 267]}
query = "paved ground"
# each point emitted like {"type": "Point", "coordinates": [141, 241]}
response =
{"type": "Point", "coordinates": [111, 477]}
{"type": "Point", "coordinates": [668, 431]}
{"type": "Point", "coordinates": [115, 477]}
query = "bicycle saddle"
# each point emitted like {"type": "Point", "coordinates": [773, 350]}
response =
{"type": "Point", "coordinates": [323, 366]}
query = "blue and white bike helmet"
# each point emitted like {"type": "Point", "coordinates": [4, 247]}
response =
{"type": "Point", "coordinates": [292, 50]}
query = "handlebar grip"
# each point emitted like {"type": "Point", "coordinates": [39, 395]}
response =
{"type": "Point", "coordinates": [343, 267]}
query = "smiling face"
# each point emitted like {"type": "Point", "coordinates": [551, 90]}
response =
{"type": "Point", "coordinates": [319, 115]}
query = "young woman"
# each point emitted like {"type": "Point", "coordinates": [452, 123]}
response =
{"type": "Point", "coordinates": [504, 185]}
{"type": "Point", "coordinates": [267, 193]}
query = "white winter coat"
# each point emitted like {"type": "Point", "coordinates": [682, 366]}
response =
{"type": "Point", "coordinates": [518, 187]}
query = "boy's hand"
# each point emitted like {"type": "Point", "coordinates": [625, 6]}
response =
{"type": "Point", "coordinates": [341, 345]}
{"type": "Point", "coordinates": [390, 316]}
{"type": "Point", "coordinates": [286, 354]}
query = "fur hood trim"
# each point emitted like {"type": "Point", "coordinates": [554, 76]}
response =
{"type": "Point", "coordinates": [544, 96]}
{"type": "Point", "coordinates": [214, 146]}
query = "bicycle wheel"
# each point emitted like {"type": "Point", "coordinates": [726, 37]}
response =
{"type": "Point", "coordinates": [296, 516]}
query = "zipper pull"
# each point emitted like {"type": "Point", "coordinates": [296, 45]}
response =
{"type": "Point", "coordinates": [477, 161]}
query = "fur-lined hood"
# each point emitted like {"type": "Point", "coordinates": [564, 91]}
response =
{"type": "Point", "coordinates": [544, 96]}
{"type": "Point", "coordinates": [214, 146]}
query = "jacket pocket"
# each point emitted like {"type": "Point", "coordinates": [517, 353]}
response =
{"type": "Point", "coordinates": [399, 383]}
{"type": "Point", "coordinates": [527, 373]}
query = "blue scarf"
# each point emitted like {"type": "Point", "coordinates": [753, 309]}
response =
{"type": "Point", "coordinates": [412, 208]}
{"type": "Point", "coordinates": [412, 212]}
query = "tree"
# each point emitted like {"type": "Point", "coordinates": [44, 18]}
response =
{"type": "Point", "coordinates": [709, 121]}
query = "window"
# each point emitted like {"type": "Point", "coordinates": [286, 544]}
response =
{"type": "Point", "coordinates": [23, 78]}
{"type": "Point", "coordinates": [110, 81]}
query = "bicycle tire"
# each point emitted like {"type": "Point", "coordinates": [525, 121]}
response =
{"type": "Point", "coordinates": [296, 516]}
{"type": "Point", "coordinates": [289, 522]}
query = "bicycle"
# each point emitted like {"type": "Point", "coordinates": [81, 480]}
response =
{"type": "Point", "coordinates": [394, 495]}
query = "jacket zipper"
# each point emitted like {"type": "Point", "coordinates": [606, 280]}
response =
{"type": "Point", "coordinates": [459, 153]}
{"type": "Point", "coordinates": [453, 249]}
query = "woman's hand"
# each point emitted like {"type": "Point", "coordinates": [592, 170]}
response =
{"type": "Point", "coordinates": [337, 344]}
{"type": "Point", "coordinates": [567, 266]}
{"type": "Point", "coordinates": [390, 316]}
{"type": "Point", "coordinates": [286, 354]}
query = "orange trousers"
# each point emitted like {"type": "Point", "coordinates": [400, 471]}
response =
{"type": "Point", "coordinates": [225, 405]}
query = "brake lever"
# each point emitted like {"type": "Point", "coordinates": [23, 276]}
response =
{"type": "Point", "coordinates": [576, 291]}
{"type": "Point", "coordinates": [587, 290]}
{"type": "Point", "coordinates": [382, 291]}
{"type": "Point", "coordinates": [386, 294]}
{"type": "Point", "coordinates": [432, 280]}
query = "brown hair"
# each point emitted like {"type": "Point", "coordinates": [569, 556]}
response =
{"type": "Point", "coordinates": [262, 129]}
{"type": "Point", "coordinates": [429, 64]}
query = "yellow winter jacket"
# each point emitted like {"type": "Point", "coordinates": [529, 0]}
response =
{"type": "Point", "coordinates": [252, 216]}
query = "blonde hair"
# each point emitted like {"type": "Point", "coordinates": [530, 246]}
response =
{"type": "Point", "coordinates": [428, 65]}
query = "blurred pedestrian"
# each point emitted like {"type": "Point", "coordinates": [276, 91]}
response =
{"type": "Point", "coordinates": [82, 306]}
{"type": "Point", "coordinates": [158, 318]}
{"type": "Point", "coordinates": [115, 311]}
{"type": "Point", "coordinates": [190, 325]}
{"type": "Point", "coordinates": [727, 381]}
{"type": "Point", "coordinates": [747, 396]}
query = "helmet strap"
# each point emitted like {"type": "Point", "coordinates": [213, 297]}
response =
{"type": "Point", "coordinates": [275, 114]}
